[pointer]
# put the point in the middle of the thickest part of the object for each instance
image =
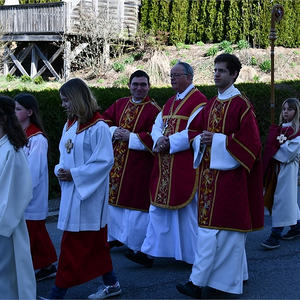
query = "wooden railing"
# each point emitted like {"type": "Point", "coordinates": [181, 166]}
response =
{"type": "Point", "coordinates": [34, 18]}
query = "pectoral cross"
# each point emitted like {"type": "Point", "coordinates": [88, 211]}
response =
{"type": "Point", "coordinates": [281, 138]}
{"type": "Point", "coordinates": [69, 145]}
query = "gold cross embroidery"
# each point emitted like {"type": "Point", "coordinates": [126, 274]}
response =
{"type": "Point", "coordinates": [281, 138]}
{"type": "Point", "coordinates": [69, 145]}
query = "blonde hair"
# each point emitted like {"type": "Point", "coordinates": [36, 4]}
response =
{"type": "Point", "coordinates": [294, 104]}
{"type": "Point", "coordinates": [83, 103]}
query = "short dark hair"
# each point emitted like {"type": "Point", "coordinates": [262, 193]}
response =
{"type": "Point", "coordinates": [139, 73]}
{"type": "Point", "coordinates": [232, 62]}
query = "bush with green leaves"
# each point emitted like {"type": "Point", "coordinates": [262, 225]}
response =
{"type": "Point", "coordinates": [173, 62]}
{"type": "Point", "coordinates": [25, 78]}
{"type": "Point", "coordinates": [228, 50]}
{"type": "Point", "coordinates": [265, 66]}
{"type": "Point", "coordinates": [38, 80]}
{"type": "Point", "coordinates": [253, 61]}
{"type": "Point", "coordinates": [10, 77]}
{"type": "Point", "coordinates": [200, 43]}
{"type": "Point", "coordinates": [129, 60]}
{"type": "Point", "coordinates": [212, 51]}
{"type": "Point", "coordinates": [118, 66]}
{"type": "Point", "coordinates": [224, 44]}
{"type": "Point", "coordinates": [121, 82]}
{"type": "Point", "coordinates": [243, 44]}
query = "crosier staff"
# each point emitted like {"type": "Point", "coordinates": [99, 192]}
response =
{"type": "Point", "coordinates": [277, 14]}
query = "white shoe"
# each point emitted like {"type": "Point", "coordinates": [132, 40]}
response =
{"type": "Point", "coordinates": [107, 291]}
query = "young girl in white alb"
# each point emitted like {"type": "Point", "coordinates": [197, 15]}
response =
{"type": "Point", "coordinates": [16, 272]}
{"type": "Point", "coordinates": [281, 164]}
{"type": "Point", "coordinates": [42, 250]}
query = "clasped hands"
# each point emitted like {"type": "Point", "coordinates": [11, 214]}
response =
{"type": "Point", "coordinates": [121, 134]}
{"type": "Point", "coordinates": [162, 145]}
{"type": "Point", "coordinates": [64, 175]}
{"type": "Point", "coordinates": [206, 137]}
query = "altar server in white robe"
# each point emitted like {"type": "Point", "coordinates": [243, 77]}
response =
{"type": "Point", "coordinates": [17, 279]}
{"type": "Point", "coordinates": [86, 157]}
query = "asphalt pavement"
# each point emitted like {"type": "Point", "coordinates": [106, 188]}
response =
{"type": "Point", "coordinates": [273, 274]}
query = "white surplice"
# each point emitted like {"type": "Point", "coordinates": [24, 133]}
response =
{"type": "Point", "coordinates": [84, 200]}
{"type": "Point", "coordinates": [36, 152]}
{"type": "Point", "coordinates": [173, 233]}
{"type": "Point", "coordinates": [17, 279]}
{"type": "Point", "coordinates": [285, 210]}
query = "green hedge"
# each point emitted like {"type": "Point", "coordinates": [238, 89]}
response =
{"type": "Point", "coordinates": [54, 117]}
{"type": "Point", "coordinates": [190, 21]}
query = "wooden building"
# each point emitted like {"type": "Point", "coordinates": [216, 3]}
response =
{"type": "Point", "coordinates": [37, 25]}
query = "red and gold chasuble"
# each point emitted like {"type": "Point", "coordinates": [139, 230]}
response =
{"type": "Point", "coordinates": [231, 199]}
{"type": "Point", "coordinates": [174, 181]}
{"type": "Point", "coordinates": [130, 174]}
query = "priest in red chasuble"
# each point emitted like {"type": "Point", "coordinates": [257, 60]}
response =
{"type": "Point", "coordinates": [130, 120]}
{"type": "Point", "coordinates": [172, 224]}
{"type": "Point", "coordinates": [227, 149]}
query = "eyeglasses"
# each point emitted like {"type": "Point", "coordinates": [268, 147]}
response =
{"type": "Point", "coordinates": [175, 75]}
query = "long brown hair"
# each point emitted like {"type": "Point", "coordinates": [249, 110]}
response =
{"type": "Point", "coordinates": [83, 103]}
{"type": "Point", "coordinates": [10, 123]}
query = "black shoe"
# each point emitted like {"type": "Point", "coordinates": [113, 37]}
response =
{"type": "Point", "coordinates": [272, 242]}
{"type": "Point", "coordinates": [190, 289]}
{"type": "Point", "coordinates": [45, 273]}
{"type": "Point", "coordinates": [115, 244]}
{"type": "Point", "coordinates": [291, 234]}
{"type": "Point", "coordinates": [140, 258]}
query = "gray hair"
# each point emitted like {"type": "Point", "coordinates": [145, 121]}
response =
{"type": "Point", "coordinates": [187, 68]}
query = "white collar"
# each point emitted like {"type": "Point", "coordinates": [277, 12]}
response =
{"type": "Point", "coordinates": [3, 140]}
{"type": "Point", "coordinates": [230, 92]}
{"type": "Point", "coordinates": [289, 124]}
{"type": "Point", "coordinates": [180, 96]}
{"type": "Point", "coordinates": [136, 101]}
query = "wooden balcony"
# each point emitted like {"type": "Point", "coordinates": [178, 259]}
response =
{"type": "Point", "coordinates": [37, 19]}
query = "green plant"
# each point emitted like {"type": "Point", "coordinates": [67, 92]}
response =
{"type": "Point", "coordinates": [129, 60]}
{"type": "Point", "coordinates": [100, 80]}
{"type": "Point", "coordinates": [253, 61]}
{"type": "Point", "coordinates": [200, 43]}
{"type": "Point", "coordinates": [118, 66]}
{"type": "Point", "coordinates": [212, 51]}
{"type": "Point", "coordinates": [10, 77]}
{"type": "Point", "coordinates": [26, 78]}
{"type": "Point", "coordinates": [265, 66]}
{"type": "Point", "coordinates": [256, 78]}
{"type": "Point", "coordinates": [173, 62]}
{"type": "Point", "coordinates": [38, 80]}
{"type": "Point", "coordinates": [293, 64]}
{"type": "Point", "coordinates": [140, 67]}
{"type": "Point", "coordinates": [224, 44]}
{"type": "Point", "coordinates": [122, 81]}
{"type": "Point", "coordinates": [228, 50]}
{"type": "Point", "coordinates": [243, 44]}
{"type": "Point", "coordinates": [138, 55]}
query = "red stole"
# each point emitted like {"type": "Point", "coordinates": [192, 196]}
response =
{"type": "Point", "coordinates": [81, 127]}
{"type": "Point", "coordinates": [270, 165]}
{"type": "Point", "coordinates": [130, 174]}
{"type": "Point", "coordinates": [231, 200]}
{"type": "Point", "coordinates": [174, 181]}
{"type": "Point", "coordinates": [32, 130]}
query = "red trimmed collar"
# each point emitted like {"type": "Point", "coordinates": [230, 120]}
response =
{"type": "Point", "coordinates": [32, 130]}
{"type": "Point", "coordinates": [95, 119]}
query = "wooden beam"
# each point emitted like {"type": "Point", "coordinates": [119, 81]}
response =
{"type": "Point", "coordinates": [17, 63]}
{"type": "Point", "coordinates": [67, 60]}
{"type": "Point", "coordinates": [21, 58]}
{"type": "Point", "coordinates": [34, 63]}
{"type": "Point", "coordinates": [51, 60]}
{"type": "Point", "coordinates": [6, 61]}
{"type": "Point", "coordinates": [32, 38]}
{"type": "Point", "coordinates": [46, 62]}
{"type": "Point", "coordinates": [77, 50]}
